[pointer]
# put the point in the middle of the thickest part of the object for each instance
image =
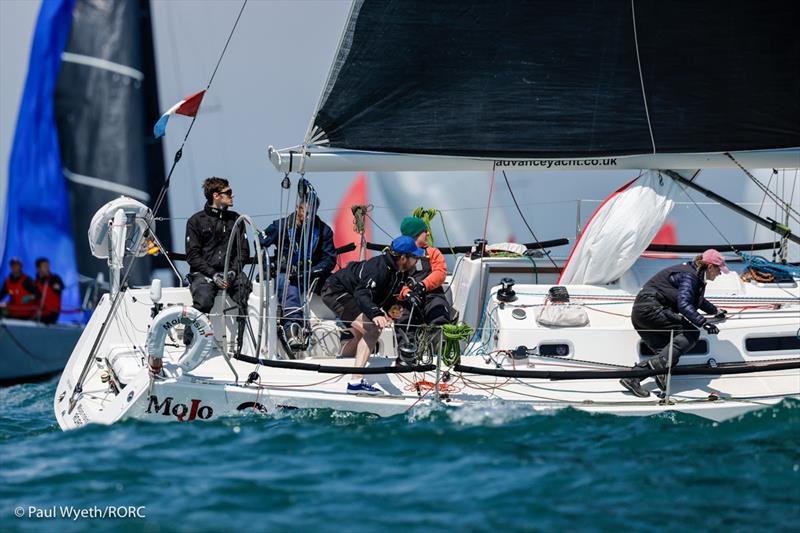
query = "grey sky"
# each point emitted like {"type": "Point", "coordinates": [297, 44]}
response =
{"type": "Point", "coordinates": [265, 92]}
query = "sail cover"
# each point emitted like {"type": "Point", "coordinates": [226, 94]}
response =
{"type": "Point", "coordinates": [545, 79]}
{"type": "Point", "coordinates": [620, 230]}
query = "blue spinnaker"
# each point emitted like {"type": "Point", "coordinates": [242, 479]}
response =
{"type": "Point", "coordinates": [37, 222]}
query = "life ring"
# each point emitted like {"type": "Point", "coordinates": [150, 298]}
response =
{"type": "Point", "coordinates": [201, 348]}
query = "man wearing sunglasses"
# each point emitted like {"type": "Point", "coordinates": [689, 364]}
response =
{"type": "Point", "coordinates": [207, 235]}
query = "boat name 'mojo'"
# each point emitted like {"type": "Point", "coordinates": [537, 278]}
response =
{"type": "Point", "coordinates": [179, 410]}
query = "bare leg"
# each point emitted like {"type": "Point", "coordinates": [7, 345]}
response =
{"type": "Point", "coordinates": [349, 349]}
{"type": "Point", "coordinates": [368, 334]}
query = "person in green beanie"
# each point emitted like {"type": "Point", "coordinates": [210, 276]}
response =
{"type": "Point", "coordinates": [430, 274]}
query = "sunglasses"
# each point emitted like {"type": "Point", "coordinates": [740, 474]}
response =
{"type": "Point", "coordinates": [229, 192]}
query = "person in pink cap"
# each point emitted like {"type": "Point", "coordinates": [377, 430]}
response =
{"type": "Point", "coordinates": [668, 306]}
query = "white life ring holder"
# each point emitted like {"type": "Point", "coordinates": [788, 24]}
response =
{"type": "Point", "coordinates": [99, 227]}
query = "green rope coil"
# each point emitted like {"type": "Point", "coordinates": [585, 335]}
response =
{"type": "Point", "coordinates": [453, 334]}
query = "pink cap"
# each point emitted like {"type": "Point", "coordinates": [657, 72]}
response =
{"type": "Point", "coordinates": [713, 257]}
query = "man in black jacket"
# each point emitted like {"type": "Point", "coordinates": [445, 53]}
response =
{"type": "Point", "coordinates": [665, 314]}
{"type": "Point", "coordinates": [362, 292]}
{"type": "Point", "coordinates": [307, 253]}
{"type": "Point", "coordinates": [207, 235]}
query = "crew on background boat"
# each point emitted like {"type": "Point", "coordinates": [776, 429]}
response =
{"type": "Point", "coordinates": [668, 305]}
{"type": "Point", "coordinates": [22, 292]}
{"type": "Point", "coordinates": [307, 253]}
{"type": "Point", "coordinates": [207, 234]}
{"type": "Point", "coordinates": [430, 274]}
{"type": "Point", "coordinates": [50, 287]}
{"type": "Point", "coordinates": [362, 292]}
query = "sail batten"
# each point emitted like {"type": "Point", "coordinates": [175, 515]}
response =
{"type": "Point", "coordinates": [550, 80]}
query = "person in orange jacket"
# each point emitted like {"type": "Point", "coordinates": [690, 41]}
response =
{"type": "Point", "coordinates": [50, 287]}
{"type": "Point", "coordinates": [430, 275]}
{"type": "Point", "coordinates": [22, 292]}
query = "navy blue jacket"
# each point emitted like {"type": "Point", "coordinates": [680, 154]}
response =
{"type": "Point", "coordinates": [323, 251]}
{"type": "Point", "coordinates": [682, 289]}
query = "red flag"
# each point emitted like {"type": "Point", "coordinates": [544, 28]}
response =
{"type": "Point", "coordinates": [190, 105]}
{"type": "Point", "coordinates": [343, 232]}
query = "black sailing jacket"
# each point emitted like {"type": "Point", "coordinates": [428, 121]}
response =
{"type": "Point", "coordinates": [374, 283]}
{"type": "Point", "coordinates": [207, 234]}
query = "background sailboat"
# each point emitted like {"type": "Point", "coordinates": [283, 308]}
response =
{"type": "Point", "coordinates": [81, 140]}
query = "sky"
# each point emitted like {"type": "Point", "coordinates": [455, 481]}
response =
{"type": "Point", "coordinates": [264, 94]}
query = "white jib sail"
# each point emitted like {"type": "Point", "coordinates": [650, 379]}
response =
{"type": "Point", "coordinates": [620, 230]}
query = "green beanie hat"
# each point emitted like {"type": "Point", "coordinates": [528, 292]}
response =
{"type": "Point", "coordinates": [412, 226]}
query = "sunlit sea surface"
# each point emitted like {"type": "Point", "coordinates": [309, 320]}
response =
{"type": "Point", "coordinates": [492, 467]}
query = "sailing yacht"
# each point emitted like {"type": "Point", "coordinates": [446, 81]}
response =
{"type": "Point", "coordinates": [469, 86]}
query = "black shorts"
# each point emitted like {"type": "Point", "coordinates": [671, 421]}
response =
{"type": "Point", "coordinates": [342, 303]}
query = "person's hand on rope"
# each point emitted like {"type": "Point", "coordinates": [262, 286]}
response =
{"type": "Point", "coordinates": [722, 314]}
{"type": "Point", "coordinates": [711, 329]}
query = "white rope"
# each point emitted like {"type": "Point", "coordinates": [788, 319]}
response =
{"type": "Point", "coordinates": [641, 78]}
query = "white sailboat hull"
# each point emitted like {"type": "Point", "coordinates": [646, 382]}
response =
{"type": "Point", "coordinates": [211, 390]}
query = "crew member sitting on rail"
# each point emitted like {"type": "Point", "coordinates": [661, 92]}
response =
{"type": "Point", "coordinates": [207, 234]}
{"type": "Point", "coordinates": [360, 294]}
{"type": "Point", "coordinates": [22, 292]}
{"type": "Point", "coordinates": [50, 287]}
{"type": "Point", "coordinates": [667, 305]}
{"type": "Point", "coordinates": [297, 239]}
{"type": "Point", "coordinates": [430, 274]}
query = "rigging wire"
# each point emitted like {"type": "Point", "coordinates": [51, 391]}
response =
{"type": "Point", "coordinates": [162, 194]}
{"type": "Point", "coordinates": [514, 198]}
{"type": "Point", "coordinates": [760, 208]}
{"type": "Point", "coordinates": [641, 77]}
{"type": "Point", "coordinates": [773, 196]}
{"type": "Point", "coordinates": [705, 215]}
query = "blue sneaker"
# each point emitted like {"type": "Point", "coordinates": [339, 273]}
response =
{"type": "Point", "coordinates": [363, 387]}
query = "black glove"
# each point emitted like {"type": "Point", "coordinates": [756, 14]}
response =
{"type": "Point", "coordinates": [712, 329]}
{"type": "Point", "coordinates": [413, 300]}
{"type": "Point", "coordinates": [418, 290]}
{"type": "Point", "coordinates": [721, 315]}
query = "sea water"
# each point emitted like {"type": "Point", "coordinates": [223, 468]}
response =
{"type": "Point", "coordinates": [491, 467]}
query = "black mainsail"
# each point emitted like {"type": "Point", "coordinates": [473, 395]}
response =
{"type": "Point", "coordinates": [543, 80]}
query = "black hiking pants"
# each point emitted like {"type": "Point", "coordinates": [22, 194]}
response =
{"type": "Point", "coordinates": [654, 323]}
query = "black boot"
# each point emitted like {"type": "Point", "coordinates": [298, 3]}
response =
{"type": "Point", "coordinates": [634, 385]}
{"type": "Point", "coordinates": [658, 363]}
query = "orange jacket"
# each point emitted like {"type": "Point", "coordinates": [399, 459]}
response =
{"type": "Point", "coordinates": [438, 268]}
